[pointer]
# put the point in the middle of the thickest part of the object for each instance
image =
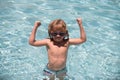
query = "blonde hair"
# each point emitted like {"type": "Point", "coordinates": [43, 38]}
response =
{"type": "Point", "coordinates": [57, 22]}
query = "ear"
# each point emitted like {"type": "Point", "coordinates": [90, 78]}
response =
{"type": "Point", "coordinates": [51, 38]}
{"type": "Point", "coordinates": [67, 35]}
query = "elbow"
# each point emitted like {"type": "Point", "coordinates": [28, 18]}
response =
{"type": "Point", "coordinates": [84, 40]}
{"type": "Point", "coordinates": [31, 43]}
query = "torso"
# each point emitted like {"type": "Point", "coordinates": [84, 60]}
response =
{"type": "Point", "coordinates": [57, 55]}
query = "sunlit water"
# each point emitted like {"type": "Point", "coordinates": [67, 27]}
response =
{"type": "Point", "coordinates": [96, 59]}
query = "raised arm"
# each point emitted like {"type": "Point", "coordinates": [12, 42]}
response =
{"type": "Point", "coordinates": [82, 34]}
{"type": "Point", "coordinates": [32, 40]}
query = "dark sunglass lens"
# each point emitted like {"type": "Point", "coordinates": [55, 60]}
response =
{"type": "Point", "coordinates": [54, 34]}
{"type": "Point", "coordinates": [61, 34]}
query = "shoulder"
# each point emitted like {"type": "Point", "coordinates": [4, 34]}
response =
{"type": "Point", "coordinates": [43, 42]}
{"type": "Point", "coordinates": [47, 40]}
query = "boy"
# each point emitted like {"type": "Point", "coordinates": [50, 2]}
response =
{"type": "Point", "coordinates": [57, 45]}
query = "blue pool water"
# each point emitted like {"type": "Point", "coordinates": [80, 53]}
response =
{"type": "Point", "coordinates": [97, 59]}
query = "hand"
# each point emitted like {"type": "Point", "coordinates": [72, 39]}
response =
{"type": "Point", "coordinates": [37, 24]}
{"type": "Point", "coordinates": [79, 20]}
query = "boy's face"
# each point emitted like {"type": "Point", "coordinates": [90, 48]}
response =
{"type": "Point", "coordinates": [58, 36]}
{"type": "Point", "coordinates": [58, 33]}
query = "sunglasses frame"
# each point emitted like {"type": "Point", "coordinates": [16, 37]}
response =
{"type": "Point", "coordinates": [58, 33]}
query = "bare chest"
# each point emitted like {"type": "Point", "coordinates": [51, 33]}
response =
{"type": "Point", "coordinates": [57, 49]}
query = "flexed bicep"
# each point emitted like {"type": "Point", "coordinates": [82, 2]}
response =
{"type": "Point", "coordinates": [39, 42]}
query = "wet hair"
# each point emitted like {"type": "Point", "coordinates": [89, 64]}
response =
{"type": "Point", "coordinates": [55, 23]}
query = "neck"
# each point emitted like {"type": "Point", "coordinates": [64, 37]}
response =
{"type": "Point", "coordinates": [60, 44]}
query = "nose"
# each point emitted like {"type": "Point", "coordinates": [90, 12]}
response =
{"type": "Point", "coordinates": [58, 35]}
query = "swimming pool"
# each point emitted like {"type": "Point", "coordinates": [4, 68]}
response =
{"type": "Point", "coordinates": [97, 59]}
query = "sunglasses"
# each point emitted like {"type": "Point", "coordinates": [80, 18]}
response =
{"type": "Point", "coordinates": [58, 33]}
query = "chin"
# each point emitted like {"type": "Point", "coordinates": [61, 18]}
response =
{"type": "Point", "coordinates": [58, 40]}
